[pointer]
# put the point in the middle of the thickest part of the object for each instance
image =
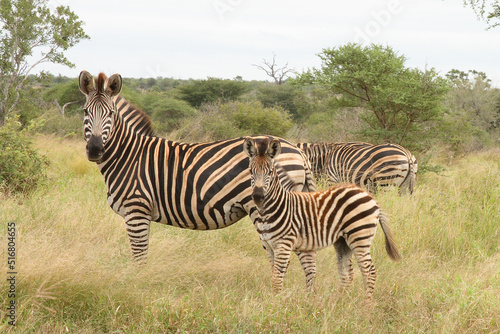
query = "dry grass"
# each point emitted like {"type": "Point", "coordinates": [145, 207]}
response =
{"type": "Point", "coordinates": [75, 272]}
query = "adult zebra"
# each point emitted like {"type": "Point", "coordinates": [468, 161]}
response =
{"type": "Point", "coordinates": [363, 164]}
{"type": "Point", "coordinates": [202, 186]}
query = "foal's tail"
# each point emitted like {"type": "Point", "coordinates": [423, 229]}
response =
{"type": "Point", "coordinates": [390, 245]}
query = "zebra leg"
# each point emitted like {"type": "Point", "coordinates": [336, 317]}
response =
{"type": "Point", "coordinates": [308, 262]}
{"type": "Point", "coordinates": [282, 254]}
{"type": "Point", "coordinates": [344, 263]}
{"type": "Point", "coordinates": [269, 251]}
{"type": "Point", "coordinates": [138, 234]}
{"type": "Point", "coordinates": [367, 269]}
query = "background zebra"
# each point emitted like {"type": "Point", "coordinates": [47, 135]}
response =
{"type": "Point", "coordinates": [343, 216]}
{"type": "Point", "coordinates": [202, 186]}
{"type": "Point", "coordinates": [367, 165]}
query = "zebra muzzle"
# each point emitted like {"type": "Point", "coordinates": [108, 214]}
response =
{"type": "Point", "coordinates": [258, 195]}
{"type": "Point", "coordinates": [95, 148]}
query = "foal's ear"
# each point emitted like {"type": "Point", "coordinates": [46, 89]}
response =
{"type": "Point", "coordinates": [86, 83]}
{"type": "Point", "coordinates": [249, 147]}
{"type": "Point", "coordinates": [114, 85]}
{"type": "Point", "coordinates": [274, 148]}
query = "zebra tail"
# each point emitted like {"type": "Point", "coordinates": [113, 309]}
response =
{"type": "Point", "coordinates": [410, 180]}
{"type": "Point", "coordinates": [310, 185]}
{"type": "Point", "coordinates": [390, 244]}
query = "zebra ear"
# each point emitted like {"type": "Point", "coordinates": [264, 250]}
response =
{"type": "Point", "coordinates": [86, 83]}
{"type": "Point", "coordinates": [114, 85]}
{"type": "Point", "coordinates": [274, 148]}
{"type": "Point", "coordinates": [249, 147]}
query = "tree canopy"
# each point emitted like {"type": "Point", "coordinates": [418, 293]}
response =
{"type": "Point", "coordinates": [205, 91]}
{"type": "Point", "coordinates": [488, 12]}
{"type": "Point", "coordinates": [375, 77]}
{"type": "Point", "coordinates": [31, 33]}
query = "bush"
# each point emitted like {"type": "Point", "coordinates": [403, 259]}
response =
{"type": "Point", "coordinates": [286, 96]}
{"type": "Point", "coordinates": [233, 119]}
{"type": "Point", "coordinates": [66, 93]}
{"type": "Point", "coordinates": [166, 112]}
{"type": "Point", "coordinates": [62, 126]}
{"type": "Point", "coordinates": [21, 167]}
{"type": "Point", "coordinates": [459, 133]}
{"type": "Point", "coordinates": [198, 92]}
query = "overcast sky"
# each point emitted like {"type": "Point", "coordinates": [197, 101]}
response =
{"type": "Point", "coordinates": [223, 38]}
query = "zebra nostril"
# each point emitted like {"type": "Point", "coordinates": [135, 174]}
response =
{"type": "Point", "coordinates": [258, 195]}
{"type": "Point", "coordinates": [95, 148]}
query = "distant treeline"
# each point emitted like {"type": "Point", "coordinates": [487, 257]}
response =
{"type": "Point", "coordinates": [360, 93]}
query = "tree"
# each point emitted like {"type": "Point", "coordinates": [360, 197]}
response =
{"type": "Point", "coordinates": [472, 98]}
{"type": "Point", "coordinates": [488, 13]}
{"type": "Point", "coordinates": [32, 34]}
{"type": "Point", "coordinates": [471, 91]}
{"type": "Point", "coordinates": [286, 96]}
{"type": "Point", "coordinates": [64, 95]}
{"type": "Point", "coordinates": [279, 74]}
{"type": "Point", "coordinates": [375, 78]}
{"type": "Point", "coordinates": [205, 91]}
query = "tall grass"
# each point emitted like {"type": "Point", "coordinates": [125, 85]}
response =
{"type": "Point", "coordinates": [75, 272]}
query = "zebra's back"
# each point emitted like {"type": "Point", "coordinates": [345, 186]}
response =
{"type": "Point", "coordinates": [363, 164]}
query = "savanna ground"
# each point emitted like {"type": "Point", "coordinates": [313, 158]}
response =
{"type": "Point", "coordinates": [75, 272]}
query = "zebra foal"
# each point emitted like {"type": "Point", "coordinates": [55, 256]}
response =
{"type": "Point", "coordinates": [344, 216]}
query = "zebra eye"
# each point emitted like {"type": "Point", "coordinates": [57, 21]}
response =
{"type": "Point", "coordinates": [85, 111]}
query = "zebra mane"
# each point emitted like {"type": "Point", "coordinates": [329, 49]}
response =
{"type": "Point", "coordinates": [137, 119]}
{"type": "Point", "coordinates": [101, 79]}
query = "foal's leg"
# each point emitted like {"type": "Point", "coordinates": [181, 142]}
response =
{"type": "Point", "coordinates": [308, 262]}
{"type": "Point", "coordinates": [367, 268]}
{"type": "Point", "coordinates": [282, 254]}
{"type": "Point", "coordinates": [269, 252]}
{"type": "Point", "coordinates": [344, 263]}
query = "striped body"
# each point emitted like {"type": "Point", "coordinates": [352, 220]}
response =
{"type": "Point", "coordinates": [202, 186]}
{"type": "Point", "coordinates": [344, 216]}
{"type": "Point", "coordinates": [369, 166]}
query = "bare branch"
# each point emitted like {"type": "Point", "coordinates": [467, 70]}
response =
{"type": "Point", "coordinates": [279, 74]}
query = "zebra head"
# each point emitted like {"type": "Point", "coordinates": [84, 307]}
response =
{"type": "Point", "coordinates": [99, 110]}
{"type": "Point", "coordinates": [262, 169]}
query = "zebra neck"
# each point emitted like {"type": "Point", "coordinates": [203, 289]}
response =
{"type": "Point", "coordinates": [276, 194]}
{"type": "Point", "coordinates": [119, 147]}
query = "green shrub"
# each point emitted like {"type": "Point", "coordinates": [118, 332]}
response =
{"type": "Point", "coordinates": [291, 98]}
{"type": "Point", "coordinates": [233, 119]}
{"type": "Point", "coordinates": [62, 126]}
{"type": "Point", "coordinates": [333, 125]}
{"type": "Point", "coordinates": [167, 113]}
{"type": "Point", "coordinates": [21, 167]}
{"type": "Point", "coordinates": [198, 92]}
{"type": "Point", "coordinates": [457, 131]}
{"type": "Point", "coordinates": [254, 118]}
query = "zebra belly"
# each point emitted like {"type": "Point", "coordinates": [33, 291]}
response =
{"type": "Point", "coordinates": [310, 244]}
{"type": "Point", "coordinates": [209, 216]}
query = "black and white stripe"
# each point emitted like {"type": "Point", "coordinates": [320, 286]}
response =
{"type": "Point", "coordinates": [344, 216]}
{"type": "Point", "coordinates": [202, 186]}
{"type": "Point", "coordinates": [369, 166]}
